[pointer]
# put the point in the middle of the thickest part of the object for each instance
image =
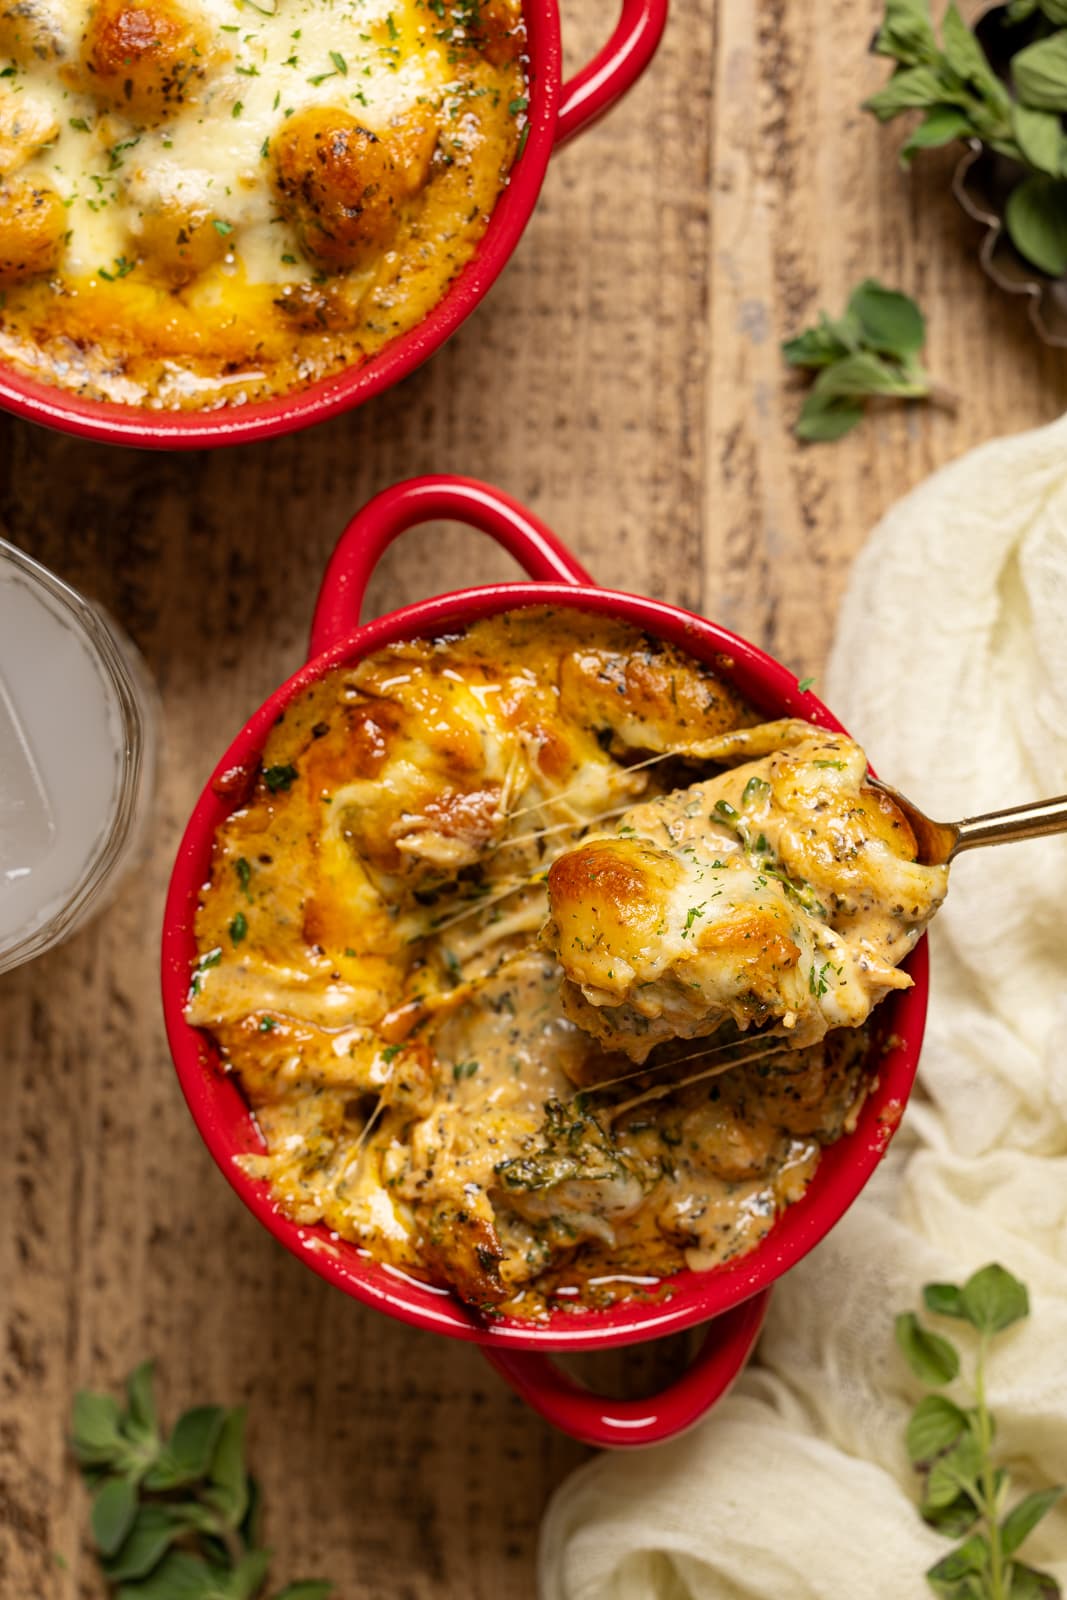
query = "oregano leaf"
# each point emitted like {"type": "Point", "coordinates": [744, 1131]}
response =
{"type": "Point", "coordinates": [228, 1477]}
{"type": "Point", "coordinates": [141, 1420]}
{"type": "Point", "coordinates": [907, 33]}
{"type": "Point", "coordinates": [1036, 221]}
{"type": "Point", "coordinates": [944, 1299]}
{"type": "Point", "coordinates": [96, 1428]}
{"type": "Point", "coordinates": [189, 1450]}
{"type": "Point", "coordinates": [824, 418]}
{"type": "Point", "coordinates": [154, 1530]}
{"type": "Point", "coordinates": [965, 56]}
{"type": "Point", "coordinates": [910, 89]}
{"type": "Point", "coordinates": [180, 1576]}
{"type": "Point", "coordinates": [1040, 137]}
{"type": "Point", "coordinates": [889, 321]}
{"type": "Point", "coordinates": [114, 1508]}
{"type": "Point", "coordinates": [936, 1423]}
{"type": "Point", "coordinates": [1039, 72]}
{"type": "Point", "coordinates": [993, 1299]}
{"type": "Point", "coordinates": [940, 126]}
{"type": "Point", "coordinates": [1027, 1583]}
{"type": "Point", "coordinates": [932, 1359]}
{"type": "Point", "coordinates": [953, 1520]}
{"type": "Point", "coordinates": [1023, 1518]}
{"type": "Point", "coordinates": [968, 1558]}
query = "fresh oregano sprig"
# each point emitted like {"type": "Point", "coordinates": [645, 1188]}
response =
{"type": "Point", "coordinates": [964, 1493]}
{"type": "Point", "coordinates": [873, 350]}
{"type": "Point", "coordinates": [961, 97]}
{"type": "Point", "coordinates": [174, 1517]}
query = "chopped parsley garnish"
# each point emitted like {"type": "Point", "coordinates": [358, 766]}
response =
{"type": "Point", "coordinates": [279, 777]}
{"type": "Point", "coordinates": [222, 227]}
{"type": "Point", "coordinates": [267, 1025]}
{"type": "Point", "coordinates": [238, 927]}
{"type": "Point", "coordinates": [339, 62]}
{"type": "Point", "coordinates": [464, 1069]}
{"type": "Point", "coordinates": [691, 916]}
{"type": "Point", "coordinates": [804, 684]}
{"type": "Point", "coordinates": [840, 765]}
{"type": "Point", "coordinates": [243, 870]}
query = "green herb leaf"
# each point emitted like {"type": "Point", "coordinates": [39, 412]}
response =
{"type": "Point", "coordinates": [907, 33]}
{"type": "Point", "coordinates": [141, 1421]}
{"type": "Point", "coordinates": [940, 126]}
{"type": "Point", "coordinates": [279, 777]}
{"type": "Point", "coordinates": [1036, 219]}
{"type": "Point", "coordinates": [154, 1530]}
{"type": "Point", "coordinates": [1039, 73]}
{"type": "Point", "coordinates": [958, 1470]}
{"type": "Point", "coordinates": [968, 60]}
{"type": "Point", "coordinates": [936, 1423]}
{"type": "Point", "coordinates": [1023, 1518]}
{"type": "Point", "coordinates": [180, 1576]}
{"type": "Point", "coordinates": [1026, 1583]}
{"type": "Point", "coordinates": [1040, 137]}
{"type": "Point", "coordinates": [993, 1299]}
{"type": "Point", "coordinates": [238, 927]}
{"type": "Point", "coordinates": [823, 418]}
{"type": "Point", "coordinates": [944, 1299]}
{"type": "Point", "coordinates": [244, 875]}
{"type": "Point", "coordinates": [114, 1508]}
{"type": "Point", "coordinates": [910, 89]}
{"type": "Point", "coordinates": [821, 345]}
{"type": "Point", "coordinates": [891, 322]}
{"type": "Point", "coordinates": [966, 1559]}
{"type": "Point", "coordinates": [229, 1479]}
{"type": "Point", "coordinates": [189, 1450]}
{"type": "Point", "coordinates": [866, 373]}
{"type": "Point", "coordinates": [930, 1357]}
{"type": "Point", "coordinates": [97, 1425]}
{"type": "Point", "coordinates": [953, 1520]}
{"type": "Point", "coordinates": [249, 1575]}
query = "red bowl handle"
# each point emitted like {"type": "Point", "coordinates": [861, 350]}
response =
{"type": "Point", "coordinates": [622, 1424]}
{"type": "Point", "coordinates": [405, 505]}
{"type": "Point", "coordinates": [614, 69]}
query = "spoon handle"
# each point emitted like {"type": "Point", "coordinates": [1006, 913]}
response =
{"type": "Point", "coordinates": [1018, 822]}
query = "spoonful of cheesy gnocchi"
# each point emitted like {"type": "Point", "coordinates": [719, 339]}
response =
{"type": "Point", "coordinates": [781, 895]}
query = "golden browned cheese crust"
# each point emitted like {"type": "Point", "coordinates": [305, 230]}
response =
{"type": "Point", "coordinates": [209, 202]}
{"type": "Point", "coordinates": [371, 968]}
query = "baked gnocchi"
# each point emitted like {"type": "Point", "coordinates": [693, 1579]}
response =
{"type": "Point", "coordinates": [428, 923]}
{"type": "Point", "coordinates": [207, 202]}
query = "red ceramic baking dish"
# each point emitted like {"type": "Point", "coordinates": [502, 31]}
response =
{"type": "Point", "coordinates": [730, 1299]}
{"type": "Point", "coordinates": [557, 111]}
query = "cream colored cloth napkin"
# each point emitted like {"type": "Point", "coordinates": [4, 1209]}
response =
{"type": "Point", "coordinates": [950, 666]}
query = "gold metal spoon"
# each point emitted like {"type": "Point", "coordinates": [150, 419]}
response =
{"type": "Point", "coordinates": [939, 842]}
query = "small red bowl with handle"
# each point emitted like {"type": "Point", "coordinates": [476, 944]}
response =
{"type": "Point", "coordinates": [730, 1299]}
{"type": "Point", "coordinates": [557, 111]}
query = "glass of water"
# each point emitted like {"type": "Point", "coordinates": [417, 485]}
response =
{"type": "Point", "coordinates": [77, 757]}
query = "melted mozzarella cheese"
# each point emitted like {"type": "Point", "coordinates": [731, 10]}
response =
{"type": "Point", "coordinates": [375, 58]}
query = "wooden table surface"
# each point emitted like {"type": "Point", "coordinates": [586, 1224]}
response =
{"type": "Point", "coordinates": [624, 379]}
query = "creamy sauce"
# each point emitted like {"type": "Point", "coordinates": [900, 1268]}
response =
{"type": "Point", "coordinates": [247, 303]}
{"type": "Point", "coordinates": [371, 968]}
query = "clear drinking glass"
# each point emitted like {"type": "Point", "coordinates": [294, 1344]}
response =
{"type": "Point", "coordinates": [77, 757]}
